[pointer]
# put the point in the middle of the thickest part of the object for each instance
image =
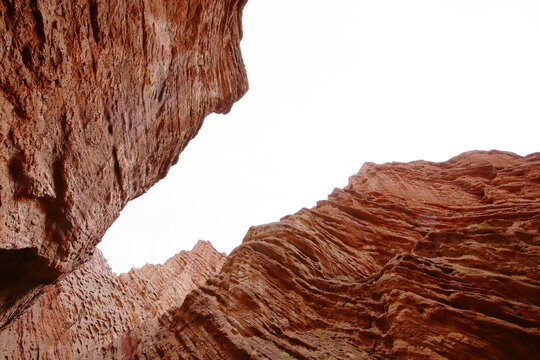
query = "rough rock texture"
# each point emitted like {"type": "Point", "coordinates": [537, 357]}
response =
{"type": "Point", "coordinates": [92, 306]}
{"type": "Point", "coordinates": [97, 100]}
{"type": "Point", "coordinates": [420, 260]}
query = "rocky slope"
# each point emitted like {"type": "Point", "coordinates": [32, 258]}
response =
{"type": "Point", "coordinates": [420, 260]}
{"type": "Point", "coordinates": [97, 100]}
{"type": "Point", "coordinates": [92, 307]}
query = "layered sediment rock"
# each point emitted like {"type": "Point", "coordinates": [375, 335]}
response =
{"type": "Point", "coordinates": [97, 100]}
{"type": "Point", "coordinates": [420, 260]}
{"type": "Point", "coordinates": [93, 307]}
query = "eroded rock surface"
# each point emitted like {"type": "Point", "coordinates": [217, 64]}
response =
{"type": "Point", "coordinates": [93, 307]}
{"type": "Point", "coordinates": [97, 100]}
{"type": "Point", "coordinates": [420, 260]}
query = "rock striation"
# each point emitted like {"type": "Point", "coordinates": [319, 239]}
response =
{"type": "Point", "coordinates": [97, 100]}
{"type": "Point", "coordinates": [409, 261]}
{"type": "Point", "coordinates": [92, 306]}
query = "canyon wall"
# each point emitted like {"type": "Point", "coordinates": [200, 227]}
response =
{"type": "Point", "coordinates": [92, 306]}
{"type": "Point", "coordinates": [420, 260]}
{"type": "Point", "coordinates": [97, 100]}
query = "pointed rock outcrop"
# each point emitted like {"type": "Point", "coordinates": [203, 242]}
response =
{"type": "Point", "coordinates": [93, 307]}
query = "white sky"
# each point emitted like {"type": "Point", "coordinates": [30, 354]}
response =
{"type": "Point", "coordinates": [333, 85]}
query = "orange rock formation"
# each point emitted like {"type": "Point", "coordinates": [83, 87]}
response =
{"type": "Point", "coordinates": [97, 100]}
{"type": "Point", "coordinates": [93, 307]}
{"type": "Point", "coordinates": [409, 261]}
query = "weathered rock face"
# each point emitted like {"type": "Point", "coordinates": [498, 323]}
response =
{"type": "Point", "coordinates": [421, 260]}
{"type": "Point", "coordinates": [92, 307]}
{"type": "Point", "coordinates": [97, 100]}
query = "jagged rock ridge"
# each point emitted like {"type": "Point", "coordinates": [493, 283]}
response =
{"type": "Point", "coordinates": [420, 260]}
{"type": "Point", "coordinates": [92, 307]}
{"type": "Point", "coordinates": [97, 100]}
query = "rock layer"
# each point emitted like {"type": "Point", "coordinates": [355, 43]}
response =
{"type": "Point", "coordinates": [92, 307]}
{"type": "Point", "coordinates": [420, 260]}
{"type": "Point", "coordinates": [97, 100]}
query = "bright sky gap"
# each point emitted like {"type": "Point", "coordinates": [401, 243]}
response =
{"type": "Point", "coordinates": [334, 86]}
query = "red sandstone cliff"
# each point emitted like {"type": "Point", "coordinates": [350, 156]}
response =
{"type": "Point", "coordinates": [421, 260]}
{"type": "Point", "coordinates": [97, 100]}
{"type": "Point", "coordinates": [93, 307]}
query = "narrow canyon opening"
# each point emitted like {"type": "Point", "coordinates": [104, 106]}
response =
{"type": "Point", "coordinates": [387, 82]}
{"type": "Point", "coordinates": [390, 259]}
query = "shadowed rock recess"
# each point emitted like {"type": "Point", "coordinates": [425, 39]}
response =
{"type": "Point", "coordinates": [97, 100]}
{"type": "Point", "coordinates": [92, 306]}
